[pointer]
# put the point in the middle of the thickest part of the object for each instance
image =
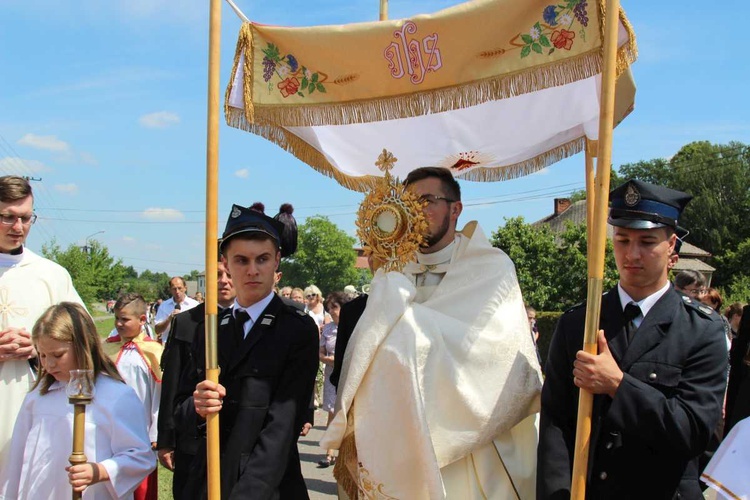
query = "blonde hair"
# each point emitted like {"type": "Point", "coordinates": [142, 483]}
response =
{"type": "Point", "coordinates": [70, 322]}
{"type": "Point", "coordinates": [313, 290]}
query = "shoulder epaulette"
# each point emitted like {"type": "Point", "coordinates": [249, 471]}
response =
{"type": "Point", "coordinates": [700, 307]}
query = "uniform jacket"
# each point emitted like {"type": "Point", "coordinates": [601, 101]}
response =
{"type": "Point", "coordinates": [645, 441]}
{"type": "Point", "coordinates": [269, 377]}
{"type": "Point", "coordinates": [178, 356]}
{"type": "Point", "coordinates": [348, 318]}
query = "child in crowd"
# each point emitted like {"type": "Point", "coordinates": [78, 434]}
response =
{"type": "Point", "coordinates": [138, 357]}
{"type": "Point", "coordinates": [116, 442]}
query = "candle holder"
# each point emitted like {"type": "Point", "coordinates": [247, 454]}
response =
{"type": "Point", "coordinates": [80, 391]}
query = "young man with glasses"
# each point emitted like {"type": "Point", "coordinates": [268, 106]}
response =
{"type": "Point", "coordinates": [439, 392]}
{"type": "Point", "coordinates": [691, 283]}
{"type": "Point", "coordinates": [29, 284]}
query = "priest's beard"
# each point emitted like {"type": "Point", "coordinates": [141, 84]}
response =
{"type": "Point", "coordinates": [437, 235]}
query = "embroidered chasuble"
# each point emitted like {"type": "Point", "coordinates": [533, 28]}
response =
{"type": "Point", "coordinates": [440, 383]}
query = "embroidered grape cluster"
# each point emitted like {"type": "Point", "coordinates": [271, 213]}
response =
{"type": "Point", "coordinates": [268, 68]}
{"type": "Point", "coordinates": [580, 12]}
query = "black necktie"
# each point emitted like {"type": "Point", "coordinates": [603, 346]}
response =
{"type": "Point", "coordinates": [632, 311]}
{"type": "Point", "coordinates": [240, 318]}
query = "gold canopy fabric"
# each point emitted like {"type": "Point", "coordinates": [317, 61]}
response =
{"type": "Point", "coordinates": [445, 89]}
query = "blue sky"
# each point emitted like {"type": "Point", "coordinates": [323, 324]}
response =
{"type": "Point", "coordinates": [105, 101]}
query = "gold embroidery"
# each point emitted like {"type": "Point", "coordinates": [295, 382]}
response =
{"type": "Point", "coordinates": [8, 307]}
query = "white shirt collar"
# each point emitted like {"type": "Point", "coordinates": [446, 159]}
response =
{"type": "Point", "coordinates": [9, 260]}
{"type": "Point", "coordinates": [645, 304]}
{"type": "Point", "coordinates": [254, 310]}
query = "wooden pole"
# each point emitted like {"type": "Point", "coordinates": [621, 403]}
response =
{"type": "Point", "coordinates": [383, 10]}
{"type": "Point", "coordinates": [591, 152]}
{"type": "Point", "coordinates": [212, 217]}
{"type": "Point", "coordinates": [78, 457]}
{"type": "Point", "coordinates": [598, 240]}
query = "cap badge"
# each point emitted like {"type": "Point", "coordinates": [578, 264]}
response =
{"type": "Point", "coordinates": [632, 196]}
{"type": "Point", "coordinates": [235, 212]}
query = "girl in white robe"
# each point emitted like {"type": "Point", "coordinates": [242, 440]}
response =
{"type": "Point", "coordinates": [117, 445]}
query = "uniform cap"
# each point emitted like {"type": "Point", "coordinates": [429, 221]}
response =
{"type": "Point", "coordinates": [245, 220]}
{"type": "Point", "coordinates": [640, 205]}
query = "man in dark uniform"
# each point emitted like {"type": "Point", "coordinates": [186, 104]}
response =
{"type": "Point", "coordinates": [177, 450]}
{"type": "Point", "coordinates": [268, 354]}
{"type": "Point", "coordinates": [658, 379]}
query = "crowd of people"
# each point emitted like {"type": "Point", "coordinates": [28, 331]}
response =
{"type": "Point", "coordinates": [431, 382]}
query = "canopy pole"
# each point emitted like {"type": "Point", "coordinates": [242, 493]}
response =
{"type": "Point", "coordinates": [591, 146]}
{"type": "Point", "coordinates": [598, 240]}
{"type": "Point", "coordinates": [383, 10]}
{"type": "Point", "coordinates": [212, 251]}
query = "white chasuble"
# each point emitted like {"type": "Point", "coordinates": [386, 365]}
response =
{"type": "Point", "coordinates": [29, 284]}
{"type": "Point", "coordinates": [439, 399]}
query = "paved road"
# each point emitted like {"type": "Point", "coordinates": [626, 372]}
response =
{"type": "Point", "coordinates": [320, 482]}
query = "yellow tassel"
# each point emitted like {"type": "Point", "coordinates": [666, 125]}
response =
{"type": "Point", "coordinates": [346, 467]}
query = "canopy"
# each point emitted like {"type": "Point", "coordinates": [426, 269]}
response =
{"type": "Point", "coordinates": [492, 89]}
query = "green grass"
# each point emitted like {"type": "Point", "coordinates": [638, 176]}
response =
{"type": "Point", "coordinates": [104, 326]}
{"type": "Point", "coordinates": [165, 484]}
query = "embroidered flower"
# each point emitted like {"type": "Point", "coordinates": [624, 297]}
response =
{"type": "Point", "coordinates": [563, 39]}
{"type": "Point", "coordinates": [289, 87]}
{"type": "Point", "coordinates": [308, 74]}
{"type": "Point", "coordinates": [283, 71]}
{"type": "Point", "coordinates": [293, 64]}
{"type": "Point", "coordinates": [534, 33]}
{"type": "Point", "coordinates": [549, 15]}
{"type": "Point", "coordinates": [566, 19]}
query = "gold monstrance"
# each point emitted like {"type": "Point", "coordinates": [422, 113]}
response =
{"type": "Point", "coordinates": [390, 221]}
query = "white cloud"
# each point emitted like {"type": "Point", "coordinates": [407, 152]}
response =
{"type": "Point", "coordinates": [18, 166]}
{"type": "Point", "coordinates": [242, 173]}
{"type": "Point", "coordinates": [46, 142]}
{"type": "Point", "coordinates": [162, 214]}
{"type": "Point", "coordinates": [128, 239]}
{"type": "Point", "coordinates": [88, 159]}
{"type": "Point", "coordinates": [67, 188]}
{"type": "Point", "coordinates": [160, 119]}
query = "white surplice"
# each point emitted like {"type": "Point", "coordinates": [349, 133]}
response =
{"type": "Point", "coordinates": [115, 436]}
{"type": "Point", "coordinates": [139, 376]}
{"type": "Point", "coordinates": [29, 284]}
{"type": "Point", "coordinates": [440, 382]}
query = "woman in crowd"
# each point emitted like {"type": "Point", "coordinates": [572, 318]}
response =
{"type": "Point", "coordinates": [315, 308]}
{"type": "Point", "coordinates": [333, 304]}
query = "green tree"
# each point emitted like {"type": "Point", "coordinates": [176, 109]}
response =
{"type": "Point", "coordinates": [324, 257]}
{"type": "Point", "coordinates": [732, 272]}
{"type": "Point", "coordinates": [718, 178]}
{"type": "Point", "coordinates": [552, 270]}
{"type": "Point", "coordinates": [193, 276]}
{"type": "Point", "coordinates": [96, 275]}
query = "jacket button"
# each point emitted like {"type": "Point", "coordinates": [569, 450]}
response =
{"type": "Point", "coordinates": [609, 445]}
{"type": "Point", "coordinates": [652, 377]}
{"type": "Point", "coordinates": [603, 476]}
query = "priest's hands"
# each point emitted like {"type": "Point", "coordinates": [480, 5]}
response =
{"type": "Point", "coordinates": [207, 397]}
{"type": "Point", "coordinates": [15, 343]}
{"type": "Point", "coordinates": [597, 373]}
{"type": "Point", "coordinates": [83, 475]}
